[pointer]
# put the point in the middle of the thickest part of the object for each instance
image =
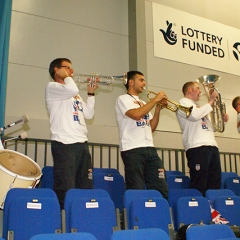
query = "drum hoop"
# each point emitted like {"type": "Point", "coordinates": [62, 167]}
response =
{"type": "Point", "coordinates": [20, 176]}
{"type": "Point", "coordinates": [17, 175]}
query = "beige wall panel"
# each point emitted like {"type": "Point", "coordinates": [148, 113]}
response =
{"type": "Point", "coordinates": [105, 15]}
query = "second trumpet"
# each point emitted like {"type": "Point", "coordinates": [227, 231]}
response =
{"type": "Point", "coordinates": [173, 107]}
{"type": "Point", "coordinates": [99, 79]}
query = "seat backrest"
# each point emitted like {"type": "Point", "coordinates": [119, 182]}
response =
{"type": "Point", "coordinates": [178, 181]}
{"type": "Point", "coordinates": [212, 194]}
{"type": "Point", "coordinates": [150, 214]}
{"type": "Point", "coordinates": [174, 172]}
{"type": "Point", "coordinates": [193, 210]}
{"type": "Point", "coordinates": [229, 208]}
{"type": "Point", "coordinates": [141, 234]}
{"type": "Point", "coordinates": [72, 194]}
{"type": "Point", "coordinates": [105, 171]}
{"type": "Point", "coordinates": [15, 193]}
{"type": "Point", "coordinates": [114, 184]}
{"type": "Point", "coordinates": [96, 216]}
{"type": "Point", "coordinates": [233, 183]}
{"type": "Point", "coordinates": [47, 180]}
{"type": "Point", "coordinates": [209, 232]}
{"type": "Point", "coordinates": [175, 194]}
{"type": "Point", "coordinates": [28, 218]}
{"type": "Point", "coordinates": [225, 175]}
{"type": "Point", "coordinates": [131, 195]}
{"type": "Point", "coordinates": [64, 236]}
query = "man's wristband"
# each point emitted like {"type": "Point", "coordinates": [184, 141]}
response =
{"type": "Point", "coordinates": [91, 94]}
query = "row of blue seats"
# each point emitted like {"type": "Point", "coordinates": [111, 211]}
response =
{"type": "Point", "coordinates": [229, 180]}
{"type": "Point", "coordinates": [210, 232]}
{"type": "Point", "coordinates": [175, 179]}
{"type": "Point", "coordinates": [31, 211]}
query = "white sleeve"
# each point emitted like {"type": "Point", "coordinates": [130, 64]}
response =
{"type": "Point", "coordinates": [238, 122]}
{"type": "Point", "coordinates": [1, 146]}
{"type": "Point", "coordinates": [57, 91]}
{"type": "Point", "coordinates": [197, 112]}
{"type": "Point", "coordinates": [88, 107]}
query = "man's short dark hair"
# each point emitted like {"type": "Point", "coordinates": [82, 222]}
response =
{"type": "Point", "coordinates": [131, 75]}
{"type": "Point", "coordinates": [186, 86]}
{"type": "Point", "coordinates": [56, 63]}
{"type": "Point", "coordinates": [235, 102]}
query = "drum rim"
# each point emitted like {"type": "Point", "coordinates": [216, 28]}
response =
{"type": "Point", "coordinates": [18, 175]}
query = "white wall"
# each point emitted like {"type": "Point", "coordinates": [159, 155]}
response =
{"type": "Point", "coordinates": [94, 35]}
{"type": "Point", "coordinates": [170, 76]}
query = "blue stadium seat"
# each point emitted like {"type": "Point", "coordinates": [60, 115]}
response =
{"type": "Point", "coordinates": [47, 180]}
{"type": "Point", "coordinates": [174, 195]}
{"type": "Point", "coordinates": [151, 213]}
{"type": "Point", "coordinates": [229, 208]}
{"type": "Point", "coordinates": [209, 232]}
{"type": "Point", "coordinates": [114, 184]}
{"type": "Point", "coordinates": [132, 194]}
{"type": "Point", "coordinates": [15, 193]}
{"type": "Point", "coordinates": [141, 234]}
{"type": "Point", "coordinates": [225, 175]}
{"type": "Point", "coordinates": [193, 210]}
{"type": "Point", "coordinates": [72, 194]}
{"type": "Point", "coordinates": [178, 182]}
{"type": "Point", "coordinates": [105, 170]}
{"type": "Point", "coordinates": [96, 216]}
{"type": "Point", "coordinates": [174, 172]}
{"type": "Point", "coordinates": [212, 194]}
{"type": "Point", "coordinates": [27, 218]}
{"type": "Point", "coordinates": [233, 183]}
{"type": "Point", "coordinates": [64, 236]}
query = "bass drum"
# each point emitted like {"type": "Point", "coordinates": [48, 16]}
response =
{"type": "Point", "coordinates": [17, 171]}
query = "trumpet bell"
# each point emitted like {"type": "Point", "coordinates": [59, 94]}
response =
{"type": "Point", "coordinates": [187, 110]}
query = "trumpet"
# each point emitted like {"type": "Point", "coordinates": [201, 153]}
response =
{"type": "Point", "coordinates": [99, 79]}
{"type": "Point", "coordinates": [174, 107]}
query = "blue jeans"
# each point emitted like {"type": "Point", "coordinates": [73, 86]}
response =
{"type": "Point", "coordinates": [144, 168]}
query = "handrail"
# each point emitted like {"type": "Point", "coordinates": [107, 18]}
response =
{"type": "Point", "coordinates": [108, 155]}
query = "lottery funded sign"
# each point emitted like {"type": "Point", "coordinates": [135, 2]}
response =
{"type": "Point", "coordinates": [186, 38]}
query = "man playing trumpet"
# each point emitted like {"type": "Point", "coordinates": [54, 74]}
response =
{"type": "Point", "coordinates": [199, 140]}
{"type": "Point", "coordinates": [67, 110]}
{"type": "Point", "coordinates": [143, 167]}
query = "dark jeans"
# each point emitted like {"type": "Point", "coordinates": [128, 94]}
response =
{"type": "Point", "coordinates": [144, 168]}
{"type": "Point", "coordinates": [72, 167]}
{"type": "Point", "coordinates": [205, 168]}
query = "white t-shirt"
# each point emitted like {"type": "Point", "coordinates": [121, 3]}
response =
{"type": "Point", "coordinates": [133, 133]}
{"type": "Point", "coordinates": [67, 112]}
{"type": "Point", "coordinates": [238, 120]}
{"type": "Point", "coordinates": [197, 129]}
{"type": "Point", "coordinates": [1, 146]}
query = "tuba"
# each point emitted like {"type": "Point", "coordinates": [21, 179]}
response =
{"type": "Point", "coordinates": [216, 117]}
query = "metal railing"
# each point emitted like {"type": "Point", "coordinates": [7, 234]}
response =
{"type": "Point", "coordinates": [108, 155]}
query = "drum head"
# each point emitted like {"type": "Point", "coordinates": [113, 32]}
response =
{"type": "Point", "coordinates": [19, 164]}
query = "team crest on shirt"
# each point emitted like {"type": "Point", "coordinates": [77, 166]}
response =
{"type": "Point", "coordinates": [197, 167]}
{"type": "Point", "coordinates": [204, 124]}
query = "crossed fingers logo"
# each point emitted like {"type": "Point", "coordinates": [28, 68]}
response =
{"type": "Point", "coordinates": [169, 35]}
{"type": "Point", "coordinates": [236, 50]}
